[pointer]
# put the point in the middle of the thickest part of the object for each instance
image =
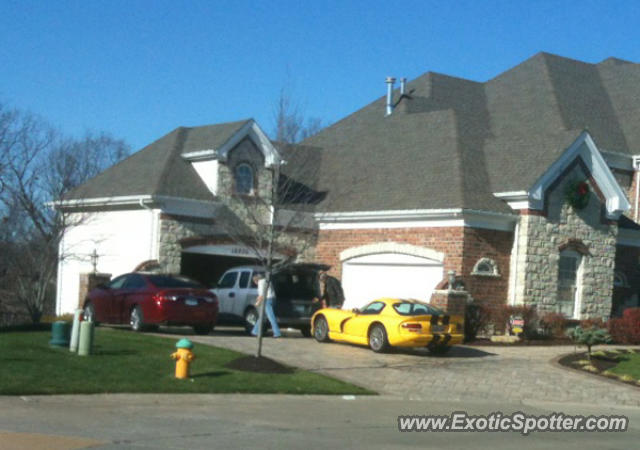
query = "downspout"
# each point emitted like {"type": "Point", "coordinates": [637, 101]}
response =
{"type": "Point", "coordinates": [513, 274]}
{"type": "Point", "coordinates": [636, 164]}
{"type": "Point", "coordinates": [153, 228]}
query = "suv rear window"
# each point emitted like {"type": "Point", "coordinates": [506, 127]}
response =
{"type": "Point", "coordinates": [299, 285]}
{"type": "Point", "coordinates": [166, 281]}
{"type": "Point", "coordinates": [415, 309]}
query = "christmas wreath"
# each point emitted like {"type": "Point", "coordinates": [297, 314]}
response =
{"type": "Point", "coordinates": [578, 194]}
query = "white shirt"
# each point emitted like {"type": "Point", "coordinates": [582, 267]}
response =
{"type": "Point", "coordinates": [262, 289]}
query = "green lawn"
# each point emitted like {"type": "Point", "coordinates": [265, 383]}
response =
{"type": "Point", "coordinates": [629, 365]}
{"type": "Point", "coordinates": [124, 361]}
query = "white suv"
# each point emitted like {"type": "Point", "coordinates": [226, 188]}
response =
{"type": "Point", "coordinates": [295, 288]}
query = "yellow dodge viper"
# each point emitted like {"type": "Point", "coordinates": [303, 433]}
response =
{"type": "Point", "coordinates": [390, 322]}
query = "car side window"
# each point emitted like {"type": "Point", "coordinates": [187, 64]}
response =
{"type": "Point", "coordinates": [117, 283]}
{"type": "Point", "coordinates": [244, 280]}
{"type": "Point", "coordinates": [134, 282]}
{"type": "Point", "coordinates": [254, 285]}
{"type": "Point", "coordinates": [228, 280]}
{"type": "Point", "coordinates": [373, 308]}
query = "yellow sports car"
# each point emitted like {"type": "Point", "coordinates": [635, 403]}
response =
{"type": "Point", "coordinates": [390, 322]}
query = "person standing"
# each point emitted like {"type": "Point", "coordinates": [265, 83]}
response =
{"type": "Point", "coordinates": [331, 294]}
{"type": "Point", "coordinates": [270, 296]}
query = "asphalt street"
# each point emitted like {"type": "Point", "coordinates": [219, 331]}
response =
{"type": "Point", "coordinates": [272, 422]}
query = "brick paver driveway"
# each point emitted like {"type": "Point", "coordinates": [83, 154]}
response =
{"type": "Point", "coordinates": [512, 374]}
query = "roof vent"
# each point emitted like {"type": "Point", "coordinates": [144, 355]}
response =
{"type": "Point", "coordinates": [403, 86]}
{"type": "Point", "coordinates": [390, 82]}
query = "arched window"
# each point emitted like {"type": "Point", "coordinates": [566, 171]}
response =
{"type": "Point", "coordinates": [486, 267]}
{"type": "Point", "coordinates": [244, 179]}
{"type": "Point", "coordinates": [620, 279]}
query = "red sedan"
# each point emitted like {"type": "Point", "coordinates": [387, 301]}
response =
{"type": "Point", "coordinates": [144, 299]}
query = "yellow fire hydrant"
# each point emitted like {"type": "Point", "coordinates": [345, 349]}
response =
{"type": "Point", "coordinates": [183, 357]}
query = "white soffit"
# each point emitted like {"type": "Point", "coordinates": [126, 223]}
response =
{"type": "Point", "coordinates": [426, 218]}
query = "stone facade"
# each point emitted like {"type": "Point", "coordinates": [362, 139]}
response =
{"type": "Point", "coordinates": [541, 238]}
{"type": "Point", "coordinates": [173, 229]}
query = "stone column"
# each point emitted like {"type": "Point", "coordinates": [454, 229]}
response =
{"type": "Point", "coordinates": [89, 281]}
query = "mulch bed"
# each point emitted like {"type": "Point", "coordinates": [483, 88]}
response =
{"type": "Point", "coordinates": [601, 363]}
{"type": "Point", "coordinates": [259, 365]}
{"type": "Point", "coordinates": [524, 342]}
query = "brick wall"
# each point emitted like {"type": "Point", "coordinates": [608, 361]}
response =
{"type": "Point", "coordinates": [462, 248]}
{"type": "Point", "coordinates": [492, 244]}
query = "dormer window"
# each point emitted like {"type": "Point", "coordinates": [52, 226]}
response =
{"type": "Point", "coordinates": [244, 179]}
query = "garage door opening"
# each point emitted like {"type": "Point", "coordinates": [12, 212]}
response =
{"type": "Point", "coordinates": [207, 269]}
{"type": "Point", "coordinates": [394, 275]}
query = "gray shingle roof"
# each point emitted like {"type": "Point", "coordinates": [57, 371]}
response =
{"type": "Point", "coordinates": [452, 142]}
{"type": "Point", "coordinates": [159, 169]}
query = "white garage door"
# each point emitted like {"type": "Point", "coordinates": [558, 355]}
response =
{"type": "Point", "coordinates": [369, 277]}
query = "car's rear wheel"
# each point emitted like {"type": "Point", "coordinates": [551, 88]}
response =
{"type": "Point", "coordinates": [203, 329]}
{"type": "Point", "coordinates": [321, 329]}
{"type": "Point", "coordinates": [306, 331]}
{"type": "Point", "coordinates": [250, 319]}
{"type": "Point", "coordinates": [89, 313]}
{"type": "Point", "coordinates": [136, 319]}
{"type": "Point", "coordinates": [378, 339]}
{"type": "Point", "coordinates": [438, 349]}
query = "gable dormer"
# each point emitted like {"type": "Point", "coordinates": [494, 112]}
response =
{"type": "Point", "coordinates": [234, 162]}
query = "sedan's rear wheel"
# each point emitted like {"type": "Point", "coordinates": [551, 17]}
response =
{"type": "Point", "coordinates": [136, 319]}
{"type": "Point", "coordinates": [378, 339]}
{"type": "Point", "coordinates": [321, 329]}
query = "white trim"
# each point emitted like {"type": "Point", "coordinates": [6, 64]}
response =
{"type": "Point", "coordinates": [584, 148]}
{"type": "Point", "coordinates": [239, 251]}
{"type": "Point", "coordinates": [200, 155]}
{"type": "Point", "coordinates": [391, 247]}
{"type": "Point", "coordinates": [417, 218]}
{"type": "Point", "coordinates": [167, 204]}
{"type": "Point", "coordinates": [636, 167]}
{"type": "Point", "coordinates": [619, 161]}
{"type": "Point", "coordinates": [515, 199]}
{"type": "Point", "coordinates": [253, 131]}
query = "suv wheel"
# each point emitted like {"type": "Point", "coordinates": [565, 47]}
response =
{"type": "Point", "coordinates": [250, 319]}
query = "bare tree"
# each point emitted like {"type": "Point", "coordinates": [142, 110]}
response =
{"type": "Point", "coordinates": [276, 223]}
{"type": "Point", "coordinates": [40, 165]}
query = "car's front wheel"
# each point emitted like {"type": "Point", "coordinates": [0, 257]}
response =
{"type": "Point", "coordinates": [378, 339]}
{"type": "Point", "coordinates": [250, 319]}
{"type": "Point", "coordinates": [321, 329]}
{"type": "Point", "coordinates": [136, 320]}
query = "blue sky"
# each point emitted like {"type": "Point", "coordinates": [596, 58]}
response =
{"type": "Point", "coordinates": [139, 69]}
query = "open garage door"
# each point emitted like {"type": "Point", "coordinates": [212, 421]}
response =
{"type": "Point", "coordinates": [207, 263]}
{"type": "Point", "coordinates": [395, 275]}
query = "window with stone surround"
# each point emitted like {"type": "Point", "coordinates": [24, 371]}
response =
{"type": "Point", "coordinates": [569, 284]}
{"type": "Point", "coordinates": [485, 267]}
{"type": "Point", "coordinates": [244, 179]}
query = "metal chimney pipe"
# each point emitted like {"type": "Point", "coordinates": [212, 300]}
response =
{"type": "Point", "coordinates": [403, 86]}
{"type": "Point", "coordinates": [390, 82]}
